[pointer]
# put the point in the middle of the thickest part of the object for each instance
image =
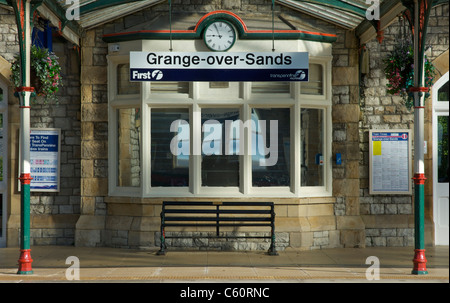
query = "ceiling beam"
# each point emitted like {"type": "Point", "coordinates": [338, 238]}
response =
{"type": "Point", "coordinates": [340, 5]}
{"type": "Point", "coordinates": [100, 4]}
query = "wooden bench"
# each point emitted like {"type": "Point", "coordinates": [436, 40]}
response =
{"type": "Point", "coordinates": [218, 214]}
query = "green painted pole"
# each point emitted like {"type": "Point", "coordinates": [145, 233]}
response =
{"type": "Point", "coordinates": [421, 11]}
{"type": "Point", "coordinates": [24, 10]}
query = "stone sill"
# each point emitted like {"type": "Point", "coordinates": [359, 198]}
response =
{"type": "Point", "coordinates": [277, 201]}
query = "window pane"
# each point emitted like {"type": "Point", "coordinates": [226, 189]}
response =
{"type": "Point", "coordinates": [129, 149]}
{"type": "Point", "coordinates": [443, 93]}
{"type": "Point", "coordinates": [312, 141]}
{"type": "Point", "coordinates": [1, 95]}
{"type": "Point", "coordinates": [220, 147]}
{"type": "Point", "coordinates": [315, 84]}
{"type": "Point", "coordinates": [271, 87]}
{"type": "Point", "coordinates": [443, 156]}
{"type": "Point", "coordinates": [169, 87]}
{"type": "Point", "coordinates": [170, 168]}
{"type": "Point", "coordinates": [124, 85]}
{"type": "Point", "coordinates": [271, 147]}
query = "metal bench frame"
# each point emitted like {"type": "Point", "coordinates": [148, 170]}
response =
{"type": "Point", "coordinates": [219, 220]}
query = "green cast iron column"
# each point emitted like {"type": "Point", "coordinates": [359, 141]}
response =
{"type": "Point", "coordinates": [24, 10]}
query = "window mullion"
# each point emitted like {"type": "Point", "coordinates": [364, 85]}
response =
{"type": "Point", "coordinates": [195, 161]}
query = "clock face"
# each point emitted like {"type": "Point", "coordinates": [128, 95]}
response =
{"type": "Point", "coordinates": [220, 36]}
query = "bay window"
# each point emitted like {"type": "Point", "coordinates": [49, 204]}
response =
{"type": "Point", "coordinates": [233, 139]}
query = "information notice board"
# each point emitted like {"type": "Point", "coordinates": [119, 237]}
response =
{"type": "Point", "coordinates": [45, 149]}
{"type": "Point", "coordinates": [390, 162]}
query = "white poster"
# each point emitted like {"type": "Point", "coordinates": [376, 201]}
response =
{"type": "Point", "coordinates": [390, 162]}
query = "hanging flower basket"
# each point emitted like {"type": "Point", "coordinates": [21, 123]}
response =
{"type": "Point", "coordinates": [399, 70]}
{"type": "Point", "coordinates": [45, 73]}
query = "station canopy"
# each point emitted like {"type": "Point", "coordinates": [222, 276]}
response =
{"type": "Point", "coordinates": [347, 14]}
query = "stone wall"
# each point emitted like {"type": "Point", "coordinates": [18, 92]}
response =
{"type": "Point", "coordinates": [9, 42]}
{"type": "Point", "coordinates": [389, 219]}
{"type": "Point", "coordinates": [53, 215]}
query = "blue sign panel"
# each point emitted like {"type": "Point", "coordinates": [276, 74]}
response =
{"type": "Point", "coordinates": [44, 159]}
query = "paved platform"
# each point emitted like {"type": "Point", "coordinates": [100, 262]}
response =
{"type": "Point", "coordinates": [125, 265]}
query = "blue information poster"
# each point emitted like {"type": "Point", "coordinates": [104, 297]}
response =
{"type": "Point", "coordinates": [44, 159]}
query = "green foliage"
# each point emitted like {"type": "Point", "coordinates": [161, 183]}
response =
{"type": "Point", "coordinates": [45, 66]}
{"type": "Point", "coordinates": [399, 70]}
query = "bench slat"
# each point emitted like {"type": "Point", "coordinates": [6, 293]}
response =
{"type": "Point", "coordinates": [214, 219]}
{"type": "Point", "coordinates": [215, 211]}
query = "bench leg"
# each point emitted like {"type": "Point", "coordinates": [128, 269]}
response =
{"type": "Point", "coordinates": [162, 250]}
{"type": "Point", "coordinates": [272, 249]}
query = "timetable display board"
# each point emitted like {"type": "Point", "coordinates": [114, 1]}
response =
{"type": "Point", "coordinates": [45, 154]}
{"type": "Point", "coordinates": [390, 162]}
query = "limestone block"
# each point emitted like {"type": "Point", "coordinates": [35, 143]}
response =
{"type": "Point", "coordinates": [94, 112]}
{"type": "Point", "coordinates": [320, 210]}
{"type": "Point", "coordinates": [87, 205]}
{"type": "Point", "coordinates": [87, 238]}
{"type": "Point", "coordinates": [54, 221]}
{"type": "Point", "coordinates": [353, 238]}
{"type": "Point", "coordinates": [93, 75]}
{"type": "Point", "coordinates": [345, 75]}
{"type": "Point", "coordinates": [346, 187]}
{"type": "Point", "coordinates": [86, 222]}
{"type": "Point", "coordinates": [345, 113]}
{"type": "Point", "coordinates": [320, 223]}
{"type": "Point", "coordinates": [299, 240]}
{"type": "Point", "coordinates": [89, 38]}
{"type": "Point", "coordinates": [292, 224]}
{"type": "Point", "coordinates": [352, 206]}
{"type": "Point", "coordinates": [352, 169]}
{"type": "Point", "coordinates": [94, 186]}
{"type": "Point", "coordinates": [86, 93]}
{"type": "Point", "coordinates": [118, 222]}
{"type": "Point", "coordinates": [130, 210]}
{"type": "Point", "coordinates": [87, 168]}
{"type": "Point", "coordinates": [149, 224]}
{"type": "Point", "coordinates": [349, 222]}
{"type": "Point", "coordinates": [334, 238]}
{"type": "Point", "coordinates": [388, 221]}
{"type": "Point", "coordinates": [94, 150]}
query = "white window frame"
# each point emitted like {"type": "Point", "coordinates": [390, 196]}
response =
{"type": "Point", "coordinates": [239, 95]}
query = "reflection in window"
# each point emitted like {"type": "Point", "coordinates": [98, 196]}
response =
{"type": "Point", "coordinates": [129, 147]}
{"type": "Point", "coordinates": [170, 166]}
{"type": "Point", "coordinates": [315, 84]}
{"type": "Point", "coordinates": [443, 93]}
{"type": "Point", "coordinates": [271, 147]}
{"type": "Point", "coordinates": [271, 87]}
{"type": "Point", "coordinates": [312, 140]}
{"type": "Point", "coordinates": [443, 156]}
{"type": "Point", "coordinates": [124, 85]}
{"type": "Point", "coordinates": [1, 95]}
{"type": "Point", "coordinates": [220, 147]}
{"type": "Point", "coordinates": [169, 87]}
